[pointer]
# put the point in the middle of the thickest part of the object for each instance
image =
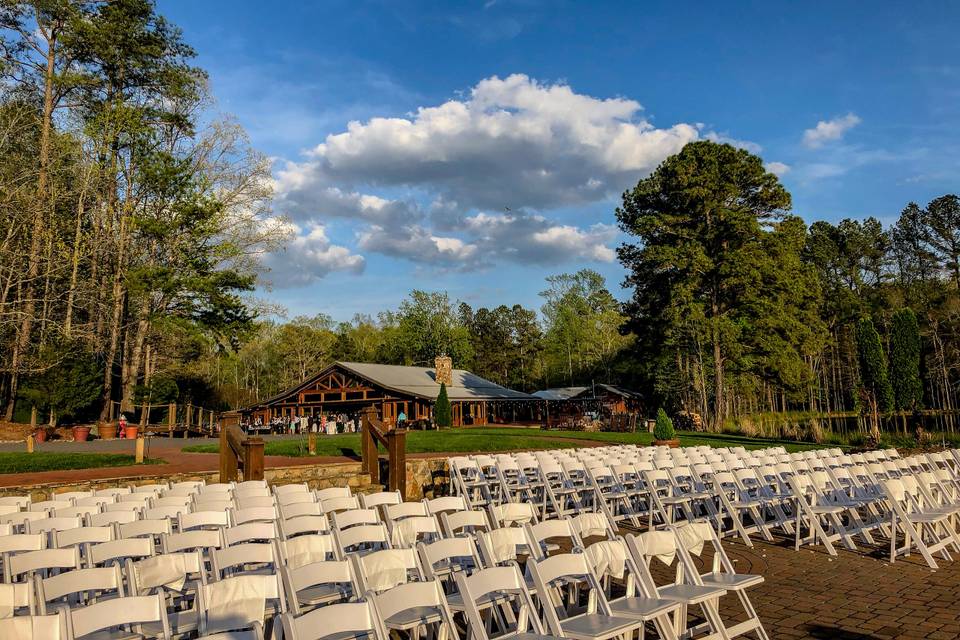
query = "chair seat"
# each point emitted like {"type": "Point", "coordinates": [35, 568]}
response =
{"type": "Point", "coordinates": [413, 617]}
{"type": "Point", "coordinates": [732, 581]}
{"type": "Point", "coordinates": [180, 622]}
{"type": "Point", "coordinates": [322, 594]}
{"type": "Point", "coordinates": [596, 626]}
{"type": "Point", "coordinates": [827, 508]}
{"type": "Point", "coordinates": [690, 593]}
{"type": "Point", "coordinates": [641, 608]}
{"type": "Point", "coordinates": [455, 600]}
{"type": "Point", "coordinates": [930, 517]}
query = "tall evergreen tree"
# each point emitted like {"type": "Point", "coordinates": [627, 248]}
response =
{"type": "Point", "coordinates": [905, 361]}
{"type": "Point", "coordinates": [699, 220]}
{"type": "Point", "coordinates": [442, 411]}
{"type": "Point", "coordinates": [942, 218]}
{"type": "Point", "coordinates": [874, 378]}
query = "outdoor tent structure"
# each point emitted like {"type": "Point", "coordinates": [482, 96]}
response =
{"type": "Point", "coordinates": [349, 387]}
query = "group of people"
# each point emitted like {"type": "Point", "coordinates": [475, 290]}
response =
{"type": "Point", "coordinates": [331, 424]}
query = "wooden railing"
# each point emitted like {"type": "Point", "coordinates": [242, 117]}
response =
{"type": "Point", "coordinates": [375, 432]}
{"type": "Point", "coordinates": [240, 453]}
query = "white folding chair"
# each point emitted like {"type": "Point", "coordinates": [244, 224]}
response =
{"type": "Point", "coordinates": [343, 621]}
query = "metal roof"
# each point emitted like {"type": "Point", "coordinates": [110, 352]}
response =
{"type": "Point", "coordinates": [413, 381]}
{"type": "Point", "coordinates": [421, 382]}
{"type": "Point", "coordinates": [560, 393]}
{"type": "Point", "coordinates": [584, 393]}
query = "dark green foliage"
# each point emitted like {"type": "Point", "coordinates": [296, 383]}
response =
{"type": "Point", "coordinates": [442, 411]}
{"type": "Point", "coordinates": [663, 429]}
{"type": "Point", "coordinates": [873, 366]}
{"type": "Point", "coordinates": [905, 351]}
{"type": "Point", "coordinates": [161, 390]}
{"type": "Point", "coordinates": [69, 388]}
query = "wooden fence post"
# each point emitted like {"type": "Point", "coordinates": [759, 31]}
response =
{"type": "Point", "coordinates": [33, 418]}
{"type": "Point", "coordinates": [228, 461]}
{"type": "Point", "coordinates": [312, 443]}
{"type": "Point", "coordinates": [171, 417]}
{"type": "Point", "coordinates": [253, 459]}
{"type": "Point", "coordinates": [30, 443]}
{"type": "Point", "coordinates": [397, 450]}
{"type": "Point", "coordinates": [139, 449]}
{"type": "Point", "coordinates": [368, 446]}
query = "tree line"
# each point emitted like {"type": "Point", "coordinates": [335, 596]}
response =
{"type": "Point", "coordinates": [738, 307]}
{"type": "Point", "coordinates": [132, 213]}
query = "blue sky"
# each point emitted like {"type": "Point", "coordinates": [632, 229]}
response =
{"type": "Point", "coordinates": [478, 147]}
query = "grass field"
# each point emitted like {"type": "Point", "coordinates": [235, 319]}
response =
{"type": "Point", "coordinates": [500, 439]}
{"type": "Point", "coordinates": [23, 462]}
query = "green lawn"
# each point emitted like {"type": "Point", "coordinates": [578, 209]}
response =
{"type": "Point", "coordinates": [499, 439]}
{"type": "Point", "coordinates": [23, 462]}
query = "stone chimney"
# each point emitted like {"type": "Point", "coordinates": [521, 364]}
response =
{"type": "Point", "coordinates": [444, 370]}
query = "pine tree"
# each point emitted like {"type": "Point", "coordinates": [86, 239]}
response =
{"type": "Point", "coordinates": [442, 413]}
{"type": "Point", "coordinates": [905, 361]}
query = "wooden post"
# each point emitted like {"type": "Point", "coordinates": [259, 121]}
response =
{"type": "Point", "coordinates": [30, 443]}
{"type": "Point", "coordinates": [312, 443]}
{"type": "Point", "coordinates": [368, 445]}
{"type": "Point", "coordinates": [188, 414]}
{"type": "Point", "coordinates": [228, 460]}
{"type": "Point", "coordinates": [397, 450]}
{"type": "Point", "coordinates": [143, 416]}
{"type": "Point", "coordinates": [33, 418]}
{"type": "Point", "coordinates": [171, 417]}
{"type": "Point", "coordinates": [253, 459]}
{"type": "Point", "coordinates": [139, 449]}
{"type": "Point", "coordinates": [211, 422]}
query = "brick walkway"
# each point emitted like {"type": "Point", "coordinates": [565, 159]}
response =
{"type": "Point", "coordinates": [853, 596]}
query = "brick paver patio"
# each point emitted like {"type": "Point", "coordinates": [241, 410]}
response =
{"type": "Point", "coordinates": [853, 596]}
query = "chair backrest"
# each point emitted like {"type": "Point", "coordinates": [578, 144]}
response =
{"type": "Point", "coordinates": [512, 514]}
{"type": "Point", "coordinates": [445, 504]}
{"type": "Point", "coordinates": [297, 509]}
{"type": "Point", "coordinates": [109, 518]}
{"type": "Point", "coordinates": [409, 531]}
{"type": "Point", "coordinates": [16, 598]}
{"type": "Point", "coordinates": [337, 575]}
{"type": "Point", "coordinates": [362, 538]}
{"type": "Point", "coordinates": [340, 503]}
{"type": "Point", "coordinates": [164, 571]}
{"type": "Point", "coordinates": [253, 514]}
{"type": "Point", "coordinates": [332, 492]}
{"type": "Point", "coordinates": [119, 550]}
{"type": "Point", "coordinates": [343, 620]}
{"type": "Point", "coordinates": [46, 561]}
{"type": "Point", "coordinates": [396, 512]}
{"type": "Point", "coordinates": [235, 603]}
{"type": "Point", "coordinates": [243, 558]}
{"type": "Point", "coordinates": [346, 519]}
{"type": "Point", "coordinates": [441, 558]}
{"type": "Point", "coordinates": [83, 535]}
{"type": "Point", "coordinates": [107, 614]}
{"type": "Point", "coordinates": [506, 583]}
{"type": "Point", "coordinates": [380, 498]}
{"type": "Point", "coordinates": [550, 574]}
{"type": "Point", "coordinates": [46, 525]}
{"type": "Point", "coordinates": [501, 545]}
{"type": "Point", "coordinates": [538, 534]}
{"type": "Point", "coordinates": [382, 570]}
{"type": "Point", "coordinates": [464, 522]}
{"type": "Point", "coordinates": [196, 540]}
{"type": "Point", "coordinates": [249, 532]}
{"type": "Point", "coordinates": [17, 542]}
{"type": "Point", "coordinates": [306, 549]}
{"type": "Point", "coordinates": [299, 525]}
{"type": "Point", "coordinates": [413, 595]}
{"type": "Point", "coordinates": [202, 520]}
{"type": "Point", "coordinates": [255, 502]}
{"type": "Point", "coordinates": [52, 627]}
{"type": "Point", "coordinates": [147, 528]}
{"type": "Point", "coordinates": [289, 489]}
{"type": "Point", "coordinates": [79, 586]}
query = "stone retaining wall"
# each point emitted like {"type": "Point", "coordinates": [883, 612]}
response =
{"type": "Point", "coordinates": [426, 477]}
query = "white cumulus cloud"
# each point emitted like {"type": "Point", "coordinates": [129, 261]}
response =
{"type": "Point", "coordinates": [829, 130]}
{"type": "Point", "coordinates": [307, 256]}
{"type": "Point", "coordinates": [778, 168]}
{"type": "Point", "coordinates": [421, 187]}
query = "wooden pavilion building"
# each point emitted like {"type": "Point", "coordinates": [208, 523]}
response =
{"type": "Point", "coordinates": [349, 387]}
{"type": "Point", "coordinates": [605, 399]}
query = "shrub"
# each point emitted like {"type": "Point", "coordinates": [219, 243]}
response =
{"type": "Point", "coordinates": [442, 413]}
{"type": "Point", "coordinates": [663, 430]}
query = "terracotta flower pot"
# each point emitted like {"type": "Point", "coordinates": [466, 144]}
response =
{"type": "Point", "coordinates": [80, 434]}
{"type": "Point", "coordinates": [40, 435]}
{"type": "Point", "coordinates": [130, 432]}
{"type": "Point", "coordinates": [673, 444]}
{"type": "Point", "coordinates": [108, 430]}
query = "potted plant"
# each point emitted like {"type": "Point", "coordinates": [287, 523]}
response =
{"type": "Point", "coordinates": [81, 433]}
{"type": "Point", "coordinates": [130, 431]}
{"type": "Point", "coordinates": [107, 430]}
{"type": "Point", "coordinates": [663, 433]}
{"type": "Point", "coordinates": [40, 435]}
